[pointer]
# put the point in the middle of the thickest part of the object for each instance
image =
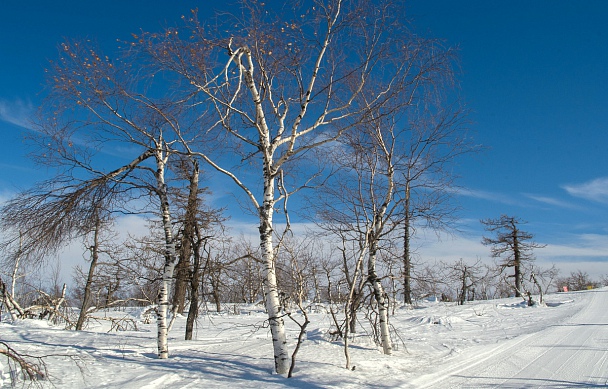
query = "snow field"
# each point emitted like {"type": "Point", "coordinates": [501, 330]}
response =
{"type": "Point", "coordinates": [434, 343]}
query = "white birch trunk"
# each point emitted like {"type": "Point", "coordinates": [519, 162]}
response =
{"type": "Point", "coordinates": [380, 297]}
{"type": "Point", "coordinates": [376, 232]}
{"type": "Point", "coordinates": [266, 209]}
{"type": "Point", "coordinates": [11, 309]}
{"type": "Point", "coordinates": [170, 257]}
{"type": "Point", "coordinates": [349, 302]}
{"type": "Point", "coordinates": [16, 267]}
{"type": "Point", "coordinates": [271, 294]}
{"type": "Point", "coordinates": [58, 303]}
{"type": "Point", "coordinates": [9, 303]}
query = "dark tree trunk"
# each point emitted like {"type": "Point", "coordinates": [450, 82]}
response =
{"type": "Point", "coordinates": [195, 277]}
{"type": "Point", "coordinates": [516, 262]}
{"type": "Point", "coordinates": [183, 266]}
{"type": "Point", "coordinates": [354, 306]}
{"type": "Point", "coordinates": [215, 284]}
{"type": "Point", "coordinates": [407, 261]}
{"type": "Point", "coordinates": [463, 292]}
{"type": "Point", "coordinates": [182, 274]}
{"type": "Point", "coordinates": [87, 288]}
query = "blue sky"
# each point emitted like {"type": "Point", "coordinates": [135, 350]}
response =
{"type": "Point", "coordinates": [533, 73]}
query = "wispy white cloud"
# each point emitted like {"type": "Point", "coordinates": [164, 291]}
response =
{"type": "Point", "coordinates": [18, 112]}
{"type": "Point", "coordinates": [571, 253]}
{"type": "Point", "coordinates": [552, 201]}
{"type": "Point", "coordinates": [449, 248]}
{"type": "Point", "coordinates": [595, 190]}
{"type": "Point", "coordinates": [486, 195]}
{"type": "Point", "coordinates": [590, 244]}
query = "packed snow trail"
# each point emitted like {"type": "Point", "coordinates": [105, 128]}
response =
{"type": "Point", "coordinates": [570, 354]}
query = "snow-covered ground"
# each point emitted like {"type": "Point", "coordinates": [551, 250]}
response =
{"type": "Point", "coordinates": [499, 343]}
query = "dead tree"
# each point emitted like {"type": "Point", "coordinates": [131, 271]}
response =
{"type": "Point", "coordinates": [466, 275]}
{"type": "Point", "coordinates": [512, 245]}
{"type": "Point", "coordinates": [27, 367]}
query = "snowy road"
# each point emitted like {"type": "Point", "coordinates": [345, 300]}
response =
{"type": "Point", "coordinates": [570, 354]}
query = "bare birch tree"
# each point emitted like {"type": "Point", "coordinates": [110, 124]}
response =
{"type": "Point", "coordinates": [278, 86]}
{"type": "Point", "coordinates": [97, 104]}
{"type": "Point", "coordinates": [364, 204]}
{"type": "Point", "coordinates": [379, 158]}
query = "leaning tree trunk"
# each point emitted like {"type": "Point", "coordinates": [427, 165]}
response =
{"type": "Point", "coordinates": [87, 288]}
{"type": "Point", "coordinates": [380, 297]}
{"type": "Point", "coordinates": [8, 302]}
{"type": "Point", "coordinates": [170, 256]}
{"type": "Point", "coordinates": [271, 295]}
{"type": "Point", "coordinates": [16, 266]}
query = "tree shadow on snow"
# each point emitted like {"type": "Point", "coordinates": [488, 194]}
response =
{"type": "Point", "coordinates": [230, 368]}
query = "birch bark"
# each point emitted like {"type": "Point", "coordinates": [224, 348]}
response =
{"type": "Point", "coordinates": [380, 297]}
{"type": "Point", "coordinates": [271, 295]}
{"type": "Point", "coordinates": [16, 266]}
{"type": "Point", "coordinates": [170, 254]}
{"type": "Point", "coordinates": [385, 150]}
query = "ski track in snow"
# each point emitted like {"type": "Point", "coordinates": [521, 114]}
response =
{"type": "Point", "coordinates": [568, 354]}
{"type": "Point", "coordinates": [483, 344]}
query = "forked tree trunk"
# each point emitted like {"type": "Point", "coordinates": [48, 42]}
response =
{"type": "Point", "coordinates": [55, 308]}
{"type": "Point", "coordinates": [540, 288]}
{"type": "Point", "coordinates": [265, 210]}
{"type": "Point", "coordinates": [380, 297]}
